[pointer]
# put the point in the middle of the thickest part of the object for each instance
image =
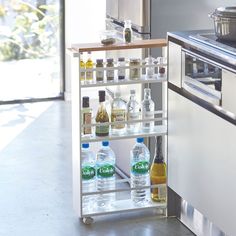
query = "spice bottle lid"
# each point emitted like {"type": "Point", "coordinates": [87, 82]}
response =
{"type": "Point", "coordinates": [99, 60]}
{"type": "Point", "coordinates": [85, 102]}
{"type": "Point", "coordinates": [109, 60]}
{"type": "Point", "coordinates": [102, 95]}
{"type": "Point", "coordinates": [132, 91]}
{"type": "Point", "coordinates": [121, 59]}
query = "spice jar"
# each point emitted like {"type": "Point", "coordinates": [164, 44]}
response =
{"type": "Point", "coordinates": [134, 72]}
{"type": "Point", "coordinates": [161, 68]}
{"type": "Point", "coordinates": [121, 71]}
{"type": "Point", "coordinates": [99, 72]}
{"type": "Point", "coordinates": [150, 70]}
{"type": "Point", "coordinates": [128, 32]}
{"type": "Point", "coordinates": [110, 72]}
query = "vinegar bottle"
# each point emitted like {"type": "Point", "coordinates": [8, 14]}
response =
{"type": "Point", "coordinates": [158, 174]}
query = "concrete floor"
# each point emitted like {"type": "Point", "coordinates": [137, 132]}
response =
{"type": "Point", "coordinates": [35, 187]}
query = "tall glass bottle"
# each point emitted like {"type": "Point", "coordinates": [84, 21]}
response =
{"type": "Point", "coordinates": [82, 66]}
{"type": "Point", "coordinates": [158, 174]}
{"type": "Point", "coordinates": [148, 108]}
{"type": "Point", "coordinates": [89, 65]}
{"type": "Point", "coordinates": [86, 118]}
{"type": "Point", "coordinates": [102, 116]}
{"type": "Point", "coordinates": [133, 113]}
{"type": "Point", "coordinates": [118, 110]}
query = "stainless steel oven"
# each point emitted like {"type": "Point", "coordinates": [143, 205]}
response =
{"type": "Point", "coordinates": [201, 77]}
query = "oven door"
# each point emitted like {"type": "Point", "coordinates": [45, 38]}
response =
{"type": "Point", "coordinates": [201, 77]}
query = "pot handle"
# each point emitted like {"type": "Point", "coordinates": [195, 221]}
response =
{"type": "Point", "coordinates": [212, 15]}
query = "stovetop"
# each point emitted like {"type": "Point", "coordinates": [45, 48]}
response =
{"type": "Point", "coordinates": [211, 40]}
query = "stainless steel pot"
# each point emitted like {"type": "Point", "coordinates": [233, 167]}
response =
{"type": "Point", "coordinates": [225, 23]}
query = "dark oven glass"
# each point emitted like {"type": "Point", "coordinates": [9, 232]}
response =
{"type": "Point", "coordinates": [201, 78]}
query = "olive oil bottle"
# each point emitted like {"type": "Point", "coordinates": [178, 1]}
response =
{"type": "Point", "coordinates": [158, 174]}
{"type": "Point", "coordinates": [102, 116]}
{"type": "Point", "coordinates": [82, 66]}
{"type": "Point", "coordinates": [89, 65]}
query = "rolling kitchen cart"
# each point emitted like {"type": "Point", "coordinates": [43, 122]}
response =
{"type": "Point", "coordinates": [76, 89]}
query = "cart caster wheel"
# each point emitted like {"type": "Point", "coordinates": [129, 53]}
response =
{"type": "Point", "coordinates": [88, 220]}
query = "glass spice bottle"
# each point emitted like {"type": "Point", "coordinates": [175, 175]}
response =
{"type": "Point", "coordinates": [102, 116]}
{"type": "Point", "coordinates": [89, 66]}
{"type": "Point", "coordinates": [134, 72]}
{"type": "Point", "coordinates": [128, 32]}
{"type": "Point", "coordinates": [100, 71]}
{"type": "Point", "coordinates": [110, 72]}
{"type": "Point", "coordinates": [121, 71]}
{"type": "Point", "coordinates": [82, 66]}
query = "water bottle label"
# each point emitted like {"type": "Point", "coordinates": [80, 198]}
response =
{"type": "Point", "coordinates": [141, 167]}
{"type": "Point", "coordinates": [106, 171]}
{"type": "Point", "coordinates": [88, 172]}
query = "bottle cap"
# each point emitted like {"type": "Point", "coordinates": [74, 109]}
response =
{"type": "Point", "coordinates": [110, 60]}
{"type": "Point", "coordinates": [132, 91]}
{"type": "Point", "coordinates": [99, 60]}
{"type": "Point", "coordinates": [140, 140]}
{"type": "Point", "coordinates": [102, 95]}
{"type": "Point", "coordinates": [85, 102]}
{"type": "Point", "coordinates": [105, 143]}
{"type": "Point", "coordinates": [121, 59]}
{"type": "Point", "coordinates": [85, 145]}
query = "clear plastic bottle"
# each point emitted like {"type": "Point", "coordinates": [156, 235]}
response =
{"type": "Point", "coordinates": [133, 113]}
{"type": "Point", "coordinates": [88, 160]}
{"type": "Point", "coordinates": [106, 175]}
{"type": "Point", "coordinates": [148, 108]}
{"type": "Point", "coordinates": [118, 113]}
{"type": "Point", "coordinates": [140, 177]}
{"type": "Point", "coordinates": [150, 70]}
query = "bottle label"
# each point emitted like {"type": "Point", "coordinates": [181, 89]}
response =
{"type": "Point", "coordinates": [118, 115]}
{"type": "Point", "coordinates": [88, 172]}
{"type": "Point", "coordinates": [89, 75]}
{"type": "Point", "coordinates": [141, 167]}
{"type": "Point", "coordinates": [99, 75]}
{"type": "Point", "coordinates": [110, 74]}
{"type": "Point", "coordinates": [148, 115]}
{"type": "Point", "coordinates": [102, 129]}
{"type": "Point", "coordinates": [82, 75]}
{"type": "Point", "coordinates": [162, 191]}
{"type": "Point", "coordinates": [133, 116]}
{"type": "Point", "coordinates": [106, 171]}
{"type": "Point", "coordinates": [87, 119]}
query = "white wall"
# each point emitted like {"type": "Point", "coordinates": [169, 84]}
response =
{"type": "Point", "coordinates": [83, 21]}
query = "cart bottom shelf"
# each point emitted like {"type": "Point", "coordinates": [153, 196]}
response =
{"type": "Point", "coordinates": [122, 206]}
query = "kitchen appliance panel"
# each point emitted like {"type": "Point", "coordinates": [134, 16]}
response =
{"type": "Point", "coordinates": [112, 9]}
{"type": "Point", "coordinates": [229, 91]}
{"type": "Point", "coordinates": [138, 12]}
{"type": "Point", "coordinates": [201, 154]}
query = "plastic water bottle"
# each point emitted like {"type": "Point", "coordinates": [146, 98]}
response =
{"type": "Point", "coordinates": [105, 175]}
{"type": "Point", "coordinates": [88, 176]}
{"type": "Point", "coordinates": [140, 176]}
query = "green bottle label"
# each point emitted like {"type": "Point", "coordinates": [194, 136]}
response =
{"type": "Point", "coordinates": [106, 171]}
{"type": "Point", "coordinates": [141, 167]}
{"type": "Point", "coordinates": [88, 172]}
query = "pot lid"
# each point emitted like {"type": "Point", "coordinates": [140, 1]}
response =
{"type": "Point", "coordinates": [226, 12]}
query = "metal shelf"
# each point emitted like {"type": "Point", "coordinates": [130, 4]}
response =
{"type": "Point", "coordinates": [143, 80]}
{"type": "Point", "coordinates": [157, 131]}
{"type": "Point", "coordinates": [122, 206]}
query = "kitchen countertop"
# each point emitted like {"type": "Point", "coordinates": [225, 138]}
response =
{"type": "Point", "coordinates": [184, 38]}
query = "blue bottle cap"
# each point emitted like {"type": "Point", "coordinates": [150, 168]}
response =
{"type": "Point", "coordinates": [140, 140]}
{"type": "Point", "coordinates": [85, 145]}
{"type": "Point", "coordinates": [105, 143]}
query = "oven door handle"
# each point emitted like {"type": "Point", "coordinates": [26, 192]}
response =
{"type": "Point", "coordinates": [207, 60]}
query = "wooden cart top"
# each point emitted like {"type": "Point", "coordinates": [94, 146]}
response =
{"type": "Point", "coordinates": [92, 47]}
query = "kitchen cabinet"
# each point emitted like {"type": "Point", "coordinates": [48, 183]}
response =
{"type": "Point", "coordinates": [77, 139]}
